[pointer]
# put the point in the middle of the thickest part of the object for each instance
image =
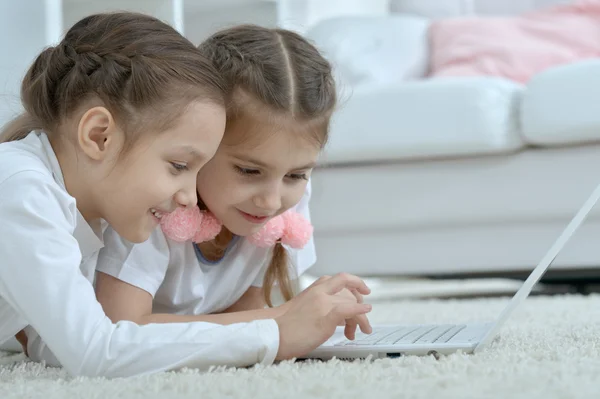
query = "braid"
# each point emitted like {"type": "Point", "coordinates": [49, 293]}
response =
{"type": "Point", "coordinates": [64, 75]}
{"type": "Point", "coordinates": [130, 62]}
{"type": "Point", "coordinates": [255, 70]}
{"type": "Point", "coordinates": [274, 69]}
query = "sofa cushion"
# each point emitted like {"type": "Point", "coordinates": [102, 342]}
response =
{"type": "Point", "coordinates": [475, 46]}
{"type": "Point", "coordinates": [371, 49]}
{"type": "Point", "coordinates": [435, 118]}
{"type": "Point", "coordinates": [560, 105]}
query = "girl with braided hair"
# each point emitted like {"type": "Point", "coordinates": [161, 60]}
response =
{"type": "Point", "coordinates": [253, 230]}
{"type": "Point", "coordinates": [119, 118]}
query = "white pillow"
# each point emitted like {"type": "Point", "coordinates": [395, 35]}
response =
{"type": "Point", "coordinates": [374, 49]}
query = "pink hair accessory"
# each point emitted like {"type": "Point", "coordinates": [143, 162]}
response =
{"type": "Point", "coordinates": [289, 228]}
{"type": "Point", "coordinates": [185, 224]}
{"type": "Point", "coordinates": [298, 230]}
{"type": "Point", "coordinates": [181, 224]}
{"type": "Point", "coordinates": [269, 234]}
{"type": "Point", "coordinates": [209, 228]}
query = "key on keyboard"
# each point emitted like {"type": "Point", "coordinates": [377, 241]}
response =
{"type": "Point", "coordinates": [415, 335]}
{"type": "Point", "coordinates": [369, 339]}
{"type": "Point", "coordinates": [406, 335]}
{"type": "Point", "coordinates": [433, 334]}
{"type": "Point", "coordinates": [397, 335]}
{"type": "Point", "coordinates": [450, 333]}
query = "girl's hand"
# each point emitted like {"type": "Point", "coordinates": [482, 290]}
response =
{"type": "Point", "coordinates": [351, 324]}
{"type": "Point", "coordinates": [312, 317]}
{"type": "Point", "coordinates": [361, 320]}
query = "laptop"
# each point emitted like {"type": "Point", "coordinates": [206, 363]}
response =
{"type": "Point", "coordinates": [391, 341]}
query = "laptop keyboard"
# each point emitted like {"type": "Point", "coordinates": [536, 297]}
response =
{"type": "Point", "coordinates": [406, 335]}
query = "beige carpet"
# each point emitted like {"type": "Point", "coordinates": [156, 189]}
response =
{"type": "Point", "coordinates": [550, 348]}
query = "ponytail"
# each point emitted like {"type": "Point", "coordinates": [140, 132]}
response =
{"type": "Point", "coordinates": [19, 128]}
{"type": "Point", "coordinates": [278, 273]}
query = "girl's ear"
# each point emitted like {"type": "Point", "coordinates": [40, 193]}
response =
{"type": "Point", "coordinates": [98, 135]}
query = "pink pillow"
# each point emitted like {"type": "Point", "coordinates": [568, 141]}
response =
{"type": "Point", "coordinates": [515, 47]}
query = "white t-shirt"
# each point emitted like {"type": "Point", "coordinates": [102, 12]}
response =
{"type": "Point", "coordinates": [182, 281]}
{"type": "Point", "coordinates": [48, 256]}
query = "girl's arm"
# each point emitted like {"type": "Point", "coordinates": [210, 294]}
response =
{"type": "Point", "coordinates": [123, 301]}
{"type": "Point", "coordinates": [252, 299]}
{"type": "Point", "coordinates": [41, 284]}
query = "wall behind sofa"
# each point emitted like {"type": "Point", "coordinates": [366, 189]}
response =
{"type": "Point", "coordinates": [24, 33]}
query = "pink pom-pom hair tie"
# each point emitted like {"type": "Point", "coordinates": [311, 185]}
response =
{"type": "Point", "coordinates": [297, 231]}
{"type": "Point", "coordinates": [290, 228]}
{"type": "Point", "coordinates": [192, 224]}
{"type": "Point", "coordinates": [269, 234]}
{"type": "Point", "coordinates": [186, 224]}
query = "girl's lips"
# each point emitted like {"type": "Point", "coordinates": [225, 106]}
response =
{"type": "Point", "coordinates": [252, 218]}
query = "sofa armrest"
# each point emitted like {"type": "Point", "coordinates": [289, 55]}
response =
{"type": "Point", "coordinates": [374, 49]}
{"type": "Point", "coordinates": [560, 105]}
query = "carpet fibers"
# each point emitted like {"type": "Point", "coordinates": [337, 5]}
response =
{"type": "Point", "coordinates": [549, 348]}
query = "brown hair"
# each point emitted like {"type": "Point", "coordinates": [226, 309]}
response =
{"type": "Point", "coordinates": [280, 71]}
{"type": "Point", "coordinates": [141, 69]}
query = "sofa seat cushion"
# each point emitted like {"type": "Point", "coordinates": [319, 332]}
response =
{"type": "Point", "coordinates": [561, 105]}
{"type": "Point", "coordinates": [426, 119]}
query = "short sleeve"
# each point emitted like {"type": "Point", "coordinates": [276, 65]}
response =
{"type": "Point", "coordinates": [142, 265]}
{"type": "Point", "coordinates": [300, 259]}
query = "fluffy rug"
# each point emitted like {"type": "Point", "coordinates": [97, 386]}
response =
{"type": "Point", "coordinates": [549, 348]}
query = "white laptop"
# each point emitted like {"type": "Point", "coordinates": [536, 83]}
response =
{"type": "Point", "coordinates": [436, 339]}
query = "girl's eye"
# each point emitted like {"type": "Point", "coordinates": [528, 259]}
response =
{"type": "Point", "coordinates": [246, 171]}
{"type": "Point", "coordinates": [298, 176]}
{"type": "Point", "coordinates": [179, 167]}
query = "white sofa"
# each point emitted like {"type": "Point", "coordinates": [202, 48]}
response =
{"type": "Point", "coordinates": [461, 176]}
